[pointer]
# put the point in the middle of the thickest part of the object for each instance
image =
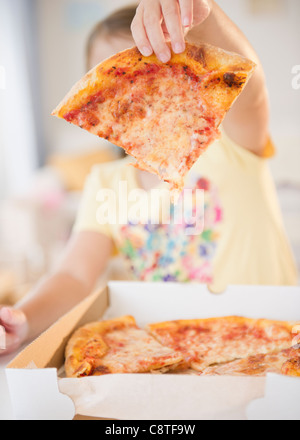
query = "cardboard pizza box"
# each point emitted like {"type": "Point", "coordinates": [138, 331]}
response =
{"type": "Point", "coordinates": [39, 390]}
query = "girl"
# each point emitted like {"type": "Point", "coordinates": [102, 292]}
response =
{"type": "Point", "coordinates": [243, 240]}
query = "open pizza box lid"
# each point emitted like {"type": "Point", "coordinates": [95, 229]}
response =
{"type": "Point", "coordinates": [40, 392]}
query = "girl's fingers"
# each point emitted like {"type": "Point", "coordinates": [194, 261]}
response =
{"type": "Point", "coordinates": [153, 27]}
{"type": "Point", "coordinates": [13, 329]}
{"type": "Point", "coordinates": [172, 20]}
{"type": "Point", "coordinates": [187, 10]}
{"type": "Point", "coordinates": [139, 34]}
{"type": "Point", "coordinates": [159, 20]}
{"type": "Point", "coordinates": [2, 338]}
{"type": "Point", "coordinates": [9, 343]}
{"type": "Point", "coordinates": [15, 324]}
{"type": "Point", "coordinates": [11, 319]}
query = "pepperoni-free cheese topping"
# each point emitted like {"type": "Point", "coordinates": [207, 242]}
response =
{"type": "Point", "coordinates": [286, 362]}
{"type": "Point", "coordinates": [159, 113]}
{"type": "Point", "coordinates": [215, 341]}
{"type": "Point", "coordinates": [164, 115]}
{"type": "Point", "coordinates": [117, 346]}
{"type": "Point", "coordinates": [135, 351]}
{"type": "Point", "coordinates": [218, 346]}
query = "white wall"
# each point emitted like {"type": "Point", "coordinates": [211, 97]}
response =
{"type": "Point", "coordinates": [63, 29]}
{"type": "Point", "coordinates": [18, 137]}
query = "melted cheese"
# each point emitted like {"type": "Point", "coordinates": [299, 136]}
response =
{"type": "Point", "coordinates": [160, 119]}
{"type": "Point", "coordinates": [220, 341]}
{"type": "Point", "coordinates": [283, 362]}
{"type": "Point", "coordinates": [132, 350]}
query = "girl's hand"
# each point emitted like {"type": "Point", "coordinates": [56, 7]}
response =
{"type": "Point", "coordinates": [159, 21]}
{"type": "Point", "coordinates": [13, 329]}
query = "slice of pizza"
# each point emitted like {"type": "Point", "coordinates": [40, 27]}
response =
{"type": "Point", "coordinates": [286, 362]}
{"type": "Point", "coordinates": [164, 115]}
{"type": "Point", "coordinates": [116, 346]}
{"type": "Point", "coordinates": [207, 342]}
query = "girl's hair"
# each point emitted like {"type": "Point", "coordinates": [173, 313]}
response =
{"type": "Point", "coordinates": [116, 24]}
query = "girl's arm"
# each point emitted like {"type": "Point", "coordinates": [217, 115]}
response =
{"type": "Point", "coordinates": [158, 21]}
{"type": "Point", "coordinates": [84, 262]}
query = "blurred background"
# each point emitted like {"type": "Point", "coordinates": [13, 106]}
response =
{"type": "Point", "coordinates": [43, 162]}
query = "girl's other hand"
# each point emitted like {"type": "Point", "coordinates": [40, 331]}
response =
{"type": "Point", "coordinates": [159, 21]}
{"type": "Point", "coordinates": [13, 329]}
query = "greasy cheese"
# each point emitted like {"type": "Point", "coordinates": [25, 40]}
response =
{"type": "Point", "coordinates": [210, 342]}
{"type": "Point", "coordinates": [157, 116]}
{"type": "Point", "coordinates": [285, 362]}
{"type": "Point", "coordinates": [132, 350]}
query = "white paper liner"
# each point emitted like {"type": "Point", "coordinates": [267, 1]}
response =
{"type": "Point", "coordinates": [163, 397]}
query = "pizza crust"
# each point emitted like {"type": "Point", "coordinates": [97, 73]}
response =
{"type": "Point", "coordinates": [76, 365]}
{"type": "Point", "coordinates": [202, 59]}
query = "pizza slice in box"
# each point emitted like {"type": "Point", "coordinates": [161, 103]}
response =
{"type": "Point", "coordinates": [164, 115]}
{"type": "Point", "coordinates": [286, 362]}
{"type": "Point", "coordinates": [114, 347]}
{"type": "Point", "coordinates": [207, 342]}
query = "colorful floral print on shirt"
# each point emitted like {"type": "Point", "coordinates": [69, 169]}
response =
{"type": "Point", "coordinates": [178, 251]}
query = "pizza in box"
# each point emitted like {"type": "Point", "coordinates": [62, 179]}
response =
{"type": "Point", "coordinates": [235, 346]}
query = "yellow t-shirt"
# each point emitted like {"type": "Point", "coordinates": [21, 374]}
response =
{"type": "Point", "coordinates": [242, 239]}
